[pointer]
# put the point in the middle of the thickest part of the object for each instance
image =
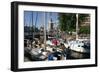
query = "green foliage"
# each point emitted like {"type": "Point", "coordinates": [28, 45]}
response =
{"type": "Point", "coordinates": [84, 30]}
{"type": "Point", "coordinates": [67, 21]}
{"type": "Point", "coordinates": [82, 17]}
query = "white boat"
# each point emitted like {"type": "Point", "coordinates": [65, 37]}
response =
{"type": "Point", "coordinates": [78, 46]}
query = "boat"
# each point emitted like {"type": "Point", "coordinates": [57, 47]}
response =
{"type": "Point", "coordinates": [79, 46]}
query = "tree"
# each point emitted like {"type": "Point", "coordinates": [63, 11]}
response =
{"type": "Point", "coordinates": [67, 22]}
{"type": "Point", "coordinates": [83, 29]}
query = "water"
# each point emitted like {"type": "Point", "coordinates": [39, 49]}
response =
{"type": "Point", "coordinates": [78, 55]}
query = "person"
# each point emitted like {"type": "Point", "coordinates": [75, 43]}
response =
{"type": "Point", "coordinates": [55, 55]}
{"type": "Point", "coordinates": [65, 51]}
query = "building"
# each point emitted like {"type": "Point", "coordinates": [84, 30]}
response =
{"type": "Point", "coordinates": [50, 25]}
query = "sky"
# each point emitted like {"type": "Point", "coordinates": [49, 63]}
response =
{"type": "Point", "coordinates": [40, 18]}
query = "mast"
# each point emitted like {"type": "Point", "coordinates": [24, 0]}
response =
{"type": "Point", "coordinates": [76, 26]}
{"type": "Point", "coordinates": [45, 30]}
{"type": "Point", "coordinates": [30, 32]}
{"type": "Point", "coordinates": [32, 26]}
{"type": "Point", "coordinates": [36, 21]}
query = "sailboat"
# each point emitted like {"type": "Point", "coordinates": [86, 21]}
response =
{"type": "Point", "coordinates": [78, 45]}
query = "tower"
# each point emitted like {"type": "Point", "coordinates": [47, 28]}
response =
{"type": "Point", "coordinates": [50, 25]}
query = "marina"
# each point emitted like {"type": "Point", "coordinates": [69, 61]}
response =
{"type": "Point", "coordinates": [51, 40]}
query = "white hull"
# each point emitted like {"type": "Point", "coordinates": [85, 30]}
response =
{"type": "Point", "coordinates": [77, 46]}
{"type": "Point", "coordinates": [79, 49]}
